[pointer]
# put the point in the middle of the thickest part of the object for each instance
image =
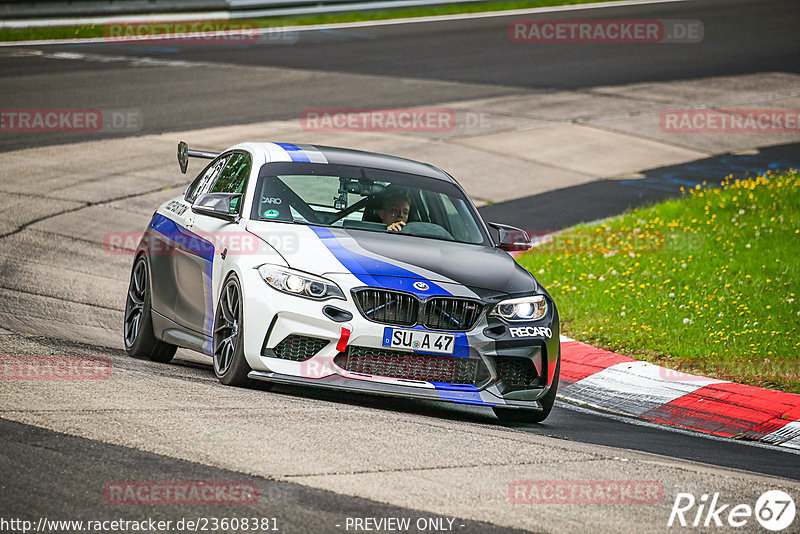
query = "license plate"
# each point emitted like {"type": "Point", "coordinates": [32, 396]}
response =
{"type": "Point", "coordinates": [420, 340]}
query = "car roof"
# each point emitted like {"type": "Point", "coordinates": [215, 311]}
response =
{"type": "Point", "coordinates": [281, 152]}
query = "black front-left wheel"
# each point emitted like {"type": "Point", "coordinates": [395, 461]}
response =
{"type": "Point", "coordinates": [140, 341]}
{"type": "Point", "coordinates": [230, 365]}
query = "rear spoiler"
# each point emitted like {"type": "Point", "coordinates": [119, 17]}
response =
{"type": "Point", "coordinates": [184, 153]}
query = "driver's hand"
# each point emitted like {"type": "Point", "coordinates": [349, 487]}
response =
{"type": "Point", "coordinates": [396, 226]}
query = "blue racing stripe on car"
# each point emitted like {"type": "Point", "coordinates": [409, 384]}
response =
{"type": "Point", "coordinates": [460, 393]}
{"type": "Point", "coordinates": [386, 275]}
{"type": "Point", "coordinates": [314, 154]}
{"type": "Point", "coordinates": [295, 152]}
{"type": "Point", "coordinates": [182, 237]}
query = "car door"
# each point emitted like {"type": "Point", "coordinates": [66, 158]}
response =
{"type": "Point", "coordinates": [201, 266]}
{"type": "Point", "coordinates": [180, 266]}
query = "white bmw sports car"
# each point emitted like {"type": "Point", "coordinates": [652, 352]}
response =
{"type": "Point", "coordinates": [337, 268]}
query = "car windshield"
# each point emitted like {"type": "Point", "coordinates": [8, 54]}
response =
{"type": "Point", "coordinates": [360, 198]}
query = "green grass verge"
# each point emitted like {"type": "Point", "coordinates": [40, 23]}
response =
{"type": "Point", "coordinates": [72, 32]}
{"type": "Point", "coordinates": [706, 284]}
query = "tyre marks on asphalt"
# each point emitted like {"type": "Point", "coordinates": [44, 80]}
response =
{"type": "Point", "coordinates": [79, 470]}
{"type": "Point", "coordinates": [448, 460]}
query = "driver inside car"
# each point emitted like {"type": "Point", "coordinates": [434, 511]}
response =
{"type": "Point", "coordinates": [394, 210]}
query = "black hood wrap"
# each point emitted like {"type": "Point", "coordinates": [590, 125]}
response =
{"type": "Point", "coordinates": [486, 270]}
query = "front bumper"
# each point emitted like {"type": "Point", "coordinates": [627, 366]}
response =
{"type": "Point", "coordinates": [510, 370]}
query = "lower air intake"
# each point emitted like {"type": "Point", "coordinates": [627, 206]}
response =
{"type": "Point", "coordinates": [516, 372]}
{"type": "Point", "coordinates": [299, 348]}
{"type": "Point", "coordinates": [410, 366]}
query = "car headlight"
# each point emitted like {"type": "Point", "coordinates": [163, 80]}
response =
{"type": "Point", "coordinates": [521, 309]}
{"type": "Point", "coordinates": [299, 283]}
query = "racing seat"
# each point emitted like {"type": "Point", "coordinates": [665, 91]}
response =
{"type": "Point", "coordinates": [374, 205]}
{"type": "Point", "coordinates": [371, 210]}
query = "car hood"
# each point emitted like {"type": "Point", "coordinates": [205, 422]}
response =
{"type": "Point", "coordinates": [325, 250]}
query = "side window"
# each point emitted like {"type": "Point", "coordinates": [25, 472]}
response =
{"type": "Point", "coordinates": [205, 178]}
{"type": "Point", "coordinates": [233, 178]}
{"type": "Point", "coordinates": [459, 220]}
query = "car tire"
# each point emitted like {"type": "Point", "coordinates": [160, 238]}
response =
{"type": "Point", "coordinates": [521, 415]}
{"type": "Point", "coordinates": [230, 365]}
{"type": "Point", "coordinates": [140, 341]}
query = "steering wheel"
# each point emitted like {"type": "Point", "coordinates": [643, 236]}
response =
{"type": "Point", "coordinates": [426, 229]}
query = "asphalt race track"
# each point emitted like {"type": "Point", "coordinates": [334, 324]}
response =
{"type": "Point", "coordinates": [384, 66]}
{"type": "Point", "coordinates": [319, 458]}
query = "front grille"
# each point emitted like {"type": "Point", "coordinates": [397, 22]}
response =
{"type": "Point", "coordinates": [409, 366]}
{"type": "Point", "coordinates": [388, 307]}
{"type": "Point", "coordinates": [450, 314]}
{"type": "Point", "coordinates": [516, 372]}
{"type": "Point", "coordinates": [299, 348]}
{"type": "Point", "coordinates": [404, 309]}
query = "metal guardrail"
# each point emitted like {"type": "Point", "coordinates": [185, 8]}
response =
{"type": "Point", "coordinates": [26, 9]}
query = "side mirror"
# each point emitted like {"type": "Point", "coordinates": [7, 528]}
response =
{"type": "Point", "coordinates": [511, 238]}
{"type": "Point", "coordinates": [220, 205]}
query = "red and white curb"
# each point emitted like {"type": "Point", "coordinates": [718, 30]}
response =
{"type": "Point", "coordinates": [624, 385]}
